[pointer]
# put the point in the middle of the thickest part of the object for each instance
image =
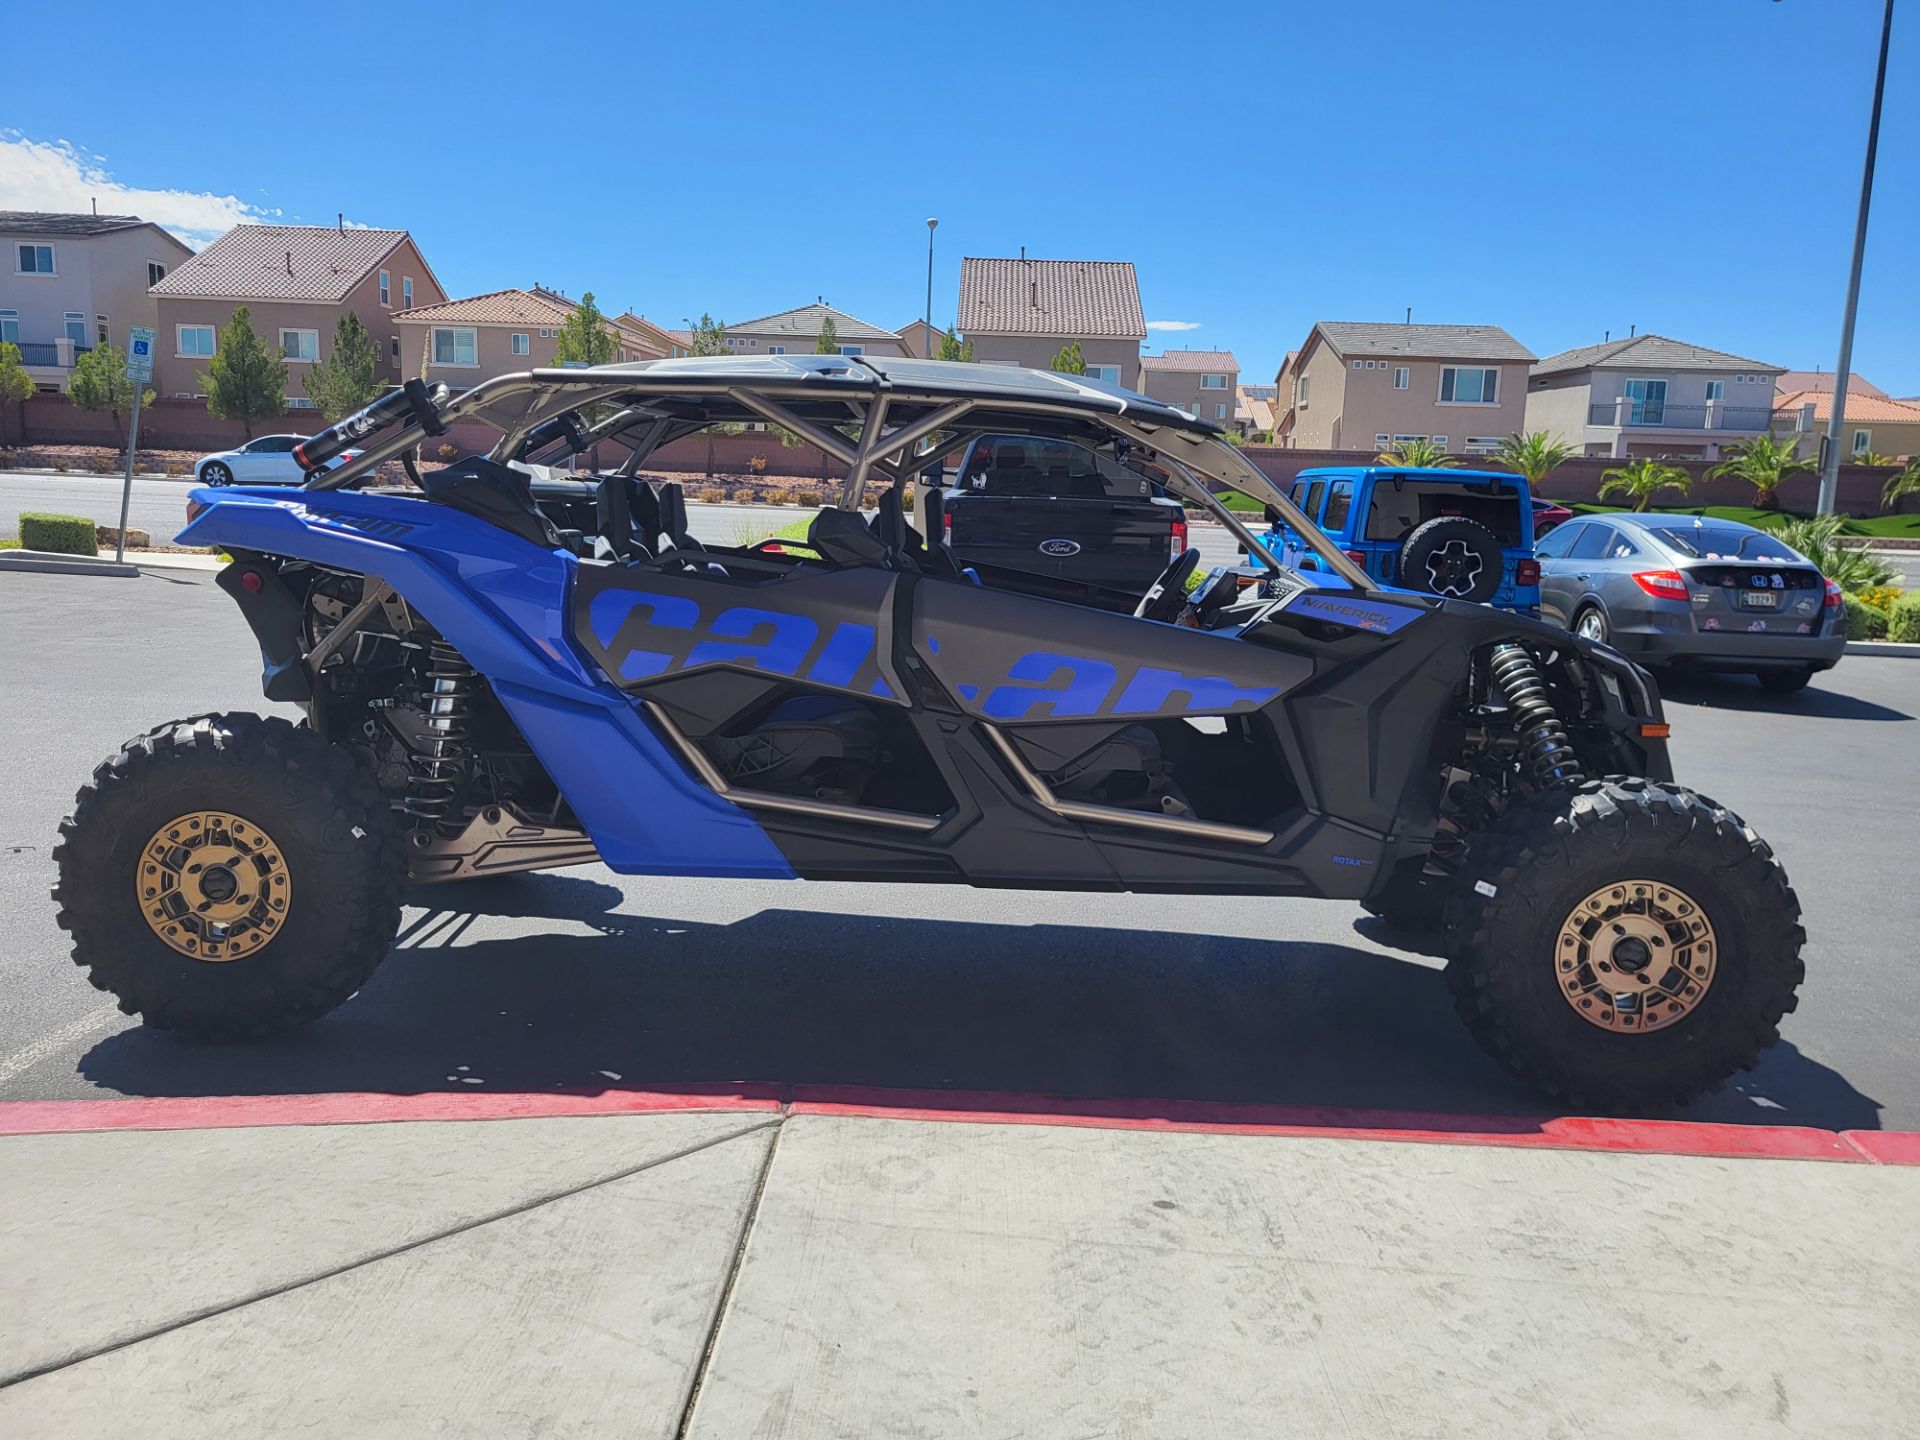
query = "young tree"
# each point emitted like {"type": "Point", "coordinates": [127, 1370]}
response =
{"type": "Point", "coordinates": [1417, 455]}
{"type": "Point", "coordinates": [1640, 480]}
{"type": "Point", "coordinates": [246, 381]}
{"type": "Point", "coordinates": [15, 386]}
{"type": "Point", "coordinates": [829, 341]}
{"type": "Point", "coordinates": [951, 347]}
{"type": "Point", "coordinates": [1535, 456]}
{"type": "Point", "coordinates": [99, 382]}
{"type": "Point", "coordinates": [709, 336]}
{"type": "Point", "coordinates": [585, 337]}
{"type": "Point", "coordinates": [350, 381]}
{"type": "Point", "coordinates": [1068, 361]}
{"type": "Point", "coordinates": [1763, 462]}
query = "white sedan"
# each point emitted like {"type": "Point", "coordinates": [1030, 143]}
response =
{"type": "Point", "coordinates": [265, 461]}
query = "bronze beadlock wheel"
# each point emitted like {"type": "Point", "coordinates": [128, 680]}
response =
{"type": "Point", "coordinates": [213, 886]}
{"type": "Point", "coordinates": [1636, 955]}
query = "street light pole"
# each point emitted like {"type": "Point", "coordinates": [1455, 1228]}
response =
{"type": "Point", "coordinates": [1837, 418]}
{"type": "Point", "coordinates": [926, 341]}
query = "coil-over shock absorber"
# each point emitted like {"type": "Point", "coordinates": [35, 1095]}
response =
{"type": "Point", "coordinates": [438, 767]}
{"type": "Point", "coordinates": [1543, 739]}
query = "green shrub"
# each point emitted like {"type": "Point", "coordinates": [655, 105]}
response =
{"type": "Point", "coordinates": [58, 534]}
{"type": "Point", "coordinates": [1904, 623]}
{"type": "Point", "coordinates": [1864, 621]}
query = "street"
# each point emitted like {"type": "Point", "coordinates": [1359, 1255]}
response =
{"type": "Point", "coordinates": [582, 978]}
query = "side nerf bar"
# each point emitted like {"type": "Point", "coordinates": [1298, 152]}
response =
{"type": "Point", "coordinates": [412, 403]}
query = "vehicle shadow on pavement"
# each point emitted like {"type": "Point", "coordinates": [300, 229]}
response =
{"type": "Point", "coordinates": [1741, 692]}
{"type": "Point", "coordinates": [807, 998]}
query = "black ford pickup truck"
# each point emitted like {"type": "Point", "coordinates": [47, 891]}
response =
{"type": "Point", "coordinates": [1049, 517]}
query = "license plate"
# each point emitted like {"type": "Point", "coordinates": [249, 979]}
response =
{"type": "Point", "coordinates": [1760, 599]}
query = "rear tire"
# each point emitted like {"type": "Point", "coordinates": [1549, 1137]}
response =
{"type": "Point", "coordinates": [1591, 624]}
{"type": "Point", "coordinates": [1517, 975]}
{"type": "Point", "coordinates": [267, 805]}
{"type": "Point", "coordinates": [1783, 682]}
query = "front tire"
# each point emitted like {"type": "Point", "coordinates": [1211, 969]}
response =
{"type": "Point", "coordinates": [229, 876]}
{"type": "Point", "coordinates": [216, 474]}
{"type": "Point", "coordinates": [1623, 944]}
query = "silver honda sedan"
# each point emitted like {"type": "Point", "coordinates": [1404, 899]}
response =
{"type": "Point", "coordinates": [1692, 591]}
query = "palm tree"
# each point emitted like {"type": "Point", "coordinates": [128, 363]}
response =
{"type": "Point", "coordinates": [1907, 482]}
{"type": "Point", "coordinates": [1763, 462]}
{"type": "Point", "coordinates": [1877, 460]}
{"type": "Point", "coordinates": [1535, 456]}
{"type": "Point", "coordinates": [1421, 454]}
{"type": "Point", "coordinates": [1640, 480]}
{"type": "Point", "coordinates": [1851, 567]}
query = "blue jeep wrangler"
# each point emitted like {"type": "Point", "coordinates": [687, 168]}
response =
{"type": "Point", "coordinates": [1463, 534]}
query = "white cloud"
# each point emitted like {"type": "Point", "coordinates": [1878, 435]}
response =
{"type": "Point", "coordinates": [1173, 324]}
{"type": "Point", "coordinates": [57, 175]}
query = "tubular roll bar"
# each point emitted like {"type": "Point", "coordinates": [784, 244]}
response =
{"type": "Point", "coordinates": [1192, 458]}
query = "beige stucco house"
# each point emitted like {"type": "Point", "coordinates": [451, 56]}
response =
{"type": "Point", "coordinates": [296, 282]}
{"type": "Point", "coordinates": [1201, 382]}
{"type": "Point", "coordinates": [1647, 395]}
{"type": "Point", "coordinates": [462, 342]}
{"type": "Point", "coordinates": [1367, 387]}
{"type": "Point", "coordinates": [1023, 312]}
{"type": "Point", "coordinates": [1874, 424]}
{"type": "Point", "coordinates": [797, 332]}
{"type": "Point", "coordinates": [70, 282]}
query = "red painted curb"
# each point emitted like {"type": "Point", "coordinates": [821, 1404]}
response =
{"type": "Point", "coordinates": [228, 1112]}
{"type": "Point", "coordinates": [1886, 1147]}
{"type": "Point", "coordinates": [1646, 1137]}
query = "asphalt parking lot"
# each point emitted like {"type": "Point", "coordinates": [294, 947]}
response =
{"type": "Point", "coordinates": [584, 979]}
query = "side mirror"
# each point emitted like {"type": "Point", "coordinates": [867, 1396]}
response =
{"type": "Point", "coordinates": [1272, 514]}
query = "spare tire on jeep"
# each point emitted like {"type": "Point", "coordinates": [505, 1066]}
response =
{"type": "Point", "coordinates": [1454, 557]}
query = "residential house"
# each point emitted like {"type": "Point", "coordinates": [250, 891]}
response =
{"type": "Point", "coordinates": [296, 281]}
{"type": "Point", "coordinates": [657, 338]}
{"type": "Point", "coordinates": [463, 342]}
{"type": "Point", "coordinates": [1023, 312]}
{"type": "Point", "coordinates": [1253, 411]}
{"type": "Point", "coordinates": [1367, 387]}
{"type": "Point", "coordinates": [922, 341]}
{"type": "Point", "coordinates": [1284, 410]}
{"type": "Point", "coordinates": [1200, 382]}
{"type": "Point", "coordinates": [1792, 382]}
{"type": "Point", "coordinates": [797, 332]}
{"type": "Point", "coordinates": [1649, 395]}
{"type": "Point", "coordinates": [70, 282]}
{"type": "Point", "coordinates": [1874, 424]}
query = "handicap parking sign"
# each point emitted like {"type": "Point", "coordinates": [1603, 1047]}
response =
{"type": "Point", "coordinates": [140, 353]}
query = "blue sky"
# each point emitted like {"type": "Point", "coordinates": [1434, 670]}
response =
{"type": "Point", "coordinates": [1559, 167]}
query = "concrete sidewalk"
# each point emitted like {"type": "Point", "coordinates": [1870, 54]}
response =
{"type": "Point", "coordinates": [738, 1266]}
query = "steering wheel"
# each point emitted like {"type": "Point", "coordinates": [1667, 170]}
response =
{"type": "Point", "coordinates": [1168, 597]}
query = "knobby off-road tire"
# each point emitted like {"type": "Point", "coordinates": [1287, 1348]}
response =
{"type": "Point", "coordinates": [1512, 965]}
{"type": "Point", "coordinates": [1465, 553]}
{"type": "Point", "coordinates": [281, 808]}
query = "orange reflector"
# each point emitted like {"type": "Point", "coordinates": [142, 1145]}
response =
{"type": "Point", "coordinates": [1655, 731]}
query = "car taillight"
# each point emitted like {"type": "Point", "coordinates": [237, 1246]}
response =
{"type": "Point", "coordinates": [1179, 542]}
{"type": "Point", "coordinates": [195, 510]}
{"type": "Point", "coordinates": [1662, 584]}
{"type": "Point", "coordinates": [946, 526]}
{"type": "Point", "coordinates": [1526, 572]}
{"type": "Point", "coordinates": [1834, 598]}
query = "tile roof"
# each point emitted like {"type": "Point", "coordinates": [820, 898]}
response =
{"type": "Point", "coordinates": [805, 322]}
{"type": "Point", "coordinates": [1434, 342]}
{"type": "Point", "coordinates": [657, 335]}
{"type": "Point", "coordinates": [56, 223]}
{"type": "Point", "coordinates": [1257, 408]}
{"type": "Point", "coordinates": [1654, 352]}
{"type": "Point", "coordinates": [1868, 408]}
{"type": "Point", "coordinates": [1794, 380]}
{"type": "Point", "coordinates": [1188, 361]}
{"type": "Point", "coordinates": [1068, 299]}
{"type": "Point", "coordinates": [282, 262]}
{"type": "Point", "coordinates": [496, 307]}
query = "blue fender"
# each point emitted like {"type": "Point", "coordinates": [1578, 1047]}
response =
{"type": "Point", "coordinates": [503, 602]}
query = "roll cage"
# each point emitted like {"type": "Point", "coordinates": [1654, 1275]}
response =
{"type": "Point", "coordinates": [880, 417]}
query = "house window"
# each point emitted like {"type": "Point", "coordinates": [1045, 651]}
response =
{"type": "Point", "coordinates": [1213, 382]}
{"type": "Point", "coordinates": [1440, 440]}
{"type": "Point", "coordinates": [1383, 440]}
{"type": "Point", "coordinates": [776, 349]}
{"type": "Point", "coordinates": [1862, 441]}
{"type": "Point", "coordinates": [520, 344]}
{"type": "Point", "coordinates": [102, 335]}
{"type": "Point", "coordinates": [546, 334]}
{"type": "Point", "coordinates": [853, 349]}
{"type": "Point", "coordinates": [386, 291]}
{"type": "Point", "coordinates": [1482, 444]}
{"type": "Point", "coordinates": [35, 260]}
{"type": "Point", "coordinates": [1468, 385]}
{"type": "Point", "coordinates": [1109, 373]}
{"type": "Point", "coordinates": [194, 342]}
{"type": "Point", "coordinates": [1716, 389]}
{"type": "Point", "coordinates": [1401, 375]}
{"type": "Point", "coordinates": [1220, 410]}
{"type": "Point", "coordinates": [406, 292]}
{"type": "Point", "coordinates": [301, 345]}
{"type": "Point", "coordinates": [156, 272]}
{"type": "Point", "coordinates": [454, 347]}
{"type": "Point", "coordinates": [10, 327]}
{"type": "Point", "coordinates": [1300, 390]}
{"type": "Point", "coordinates": [393, 345]}
{"type": "Point", "coordinates": [1406, 439]}
{"type": "Point", "coordinates": [1356, 364]}
{"type": "Point", "coordinates": [77, 328]}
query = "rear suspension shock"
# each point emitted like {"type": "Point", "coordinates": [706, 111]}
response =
{"type": "Point", "coordinates": [438, 767]}
{"type": "Point", "coordinates": [1544, 744]}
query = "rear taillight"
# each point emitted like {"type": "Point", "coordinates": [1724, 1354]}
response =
{"type": "Point", "coordinates": [1358, 557]}
{"type": "Point", "coordinates": [1179, 540]}
{"type": "Point", "coordinates": [195, 510]}
{"type": "Point", "coordinates": [946, 526]}
{"type": "Point", "coordinates": [1835, 598]}
{"type": "Point", "coordinates": [1526, 572]}
{"type": "Point", "coordinates": [1662, 584]}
